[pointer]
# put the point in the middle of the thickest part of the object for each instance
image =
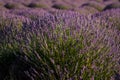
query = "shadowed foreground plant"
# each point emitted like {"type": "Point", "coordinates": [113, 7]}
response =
{"type": "Point", "coordinates": [62, 53]}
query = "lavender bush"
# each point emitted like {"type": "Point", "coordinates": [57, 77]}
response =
{"type": "Point", "coordinates": [37, 5]}
{"type": "Point", "coordinates": [58, 47]}
{"type": "Point", "coordinates": [95, 5]}
{"type": "Point", "coordinates": [112, 6]}
{"type": "Point", "coordinates": [61, 6]}
{"type": "Point", "coordinates": [13, 6]}
{"type": "Point", "coordinates": [53, 44]}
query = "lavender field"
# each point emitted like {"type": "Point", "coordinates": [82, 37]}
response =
{"type": "Point", "coordinates": [59, 39]}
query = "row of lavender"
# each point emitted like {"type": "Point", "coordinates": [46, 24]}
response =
{"type": "Point", "coordinates": [82, 6]}
{"type": "Point", "coordinates": [30, 32]}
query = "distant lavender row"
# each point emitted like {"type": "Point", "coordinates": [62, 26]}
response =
{"type": "Point", "coordinates": [84, 7]}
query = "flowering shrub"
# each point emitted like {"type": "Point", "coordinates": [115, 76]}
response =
{"type": "Point", "coordinates": [13, 6]}
{"type": "Point", "coordinates": [95, 5]}
{"type": "Point", "coordinates": [58, 45]}
{"type": "Point", "coordinates": [65, 40]}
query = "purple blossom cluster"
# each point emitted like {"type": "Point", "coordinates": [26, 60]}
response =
{"type": "Point", "coordinates": [97, 25]}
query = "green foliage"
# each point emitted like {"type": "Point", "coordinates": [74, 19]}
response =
{"type": "Point", "coordinates": [37, 5]}
{"type": "Point", "coordinates": [10, 5]}
{"type": "Point", "coordinates": [59, 56]}
{"type": "Point", "coordinates": [115, 21]}
{"type": "Point", "coordinates": [95, 5]}
{"type": "Point", "coordinates": [61, 6]}
{"type": "Point", "coordinates": [112, 6]}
